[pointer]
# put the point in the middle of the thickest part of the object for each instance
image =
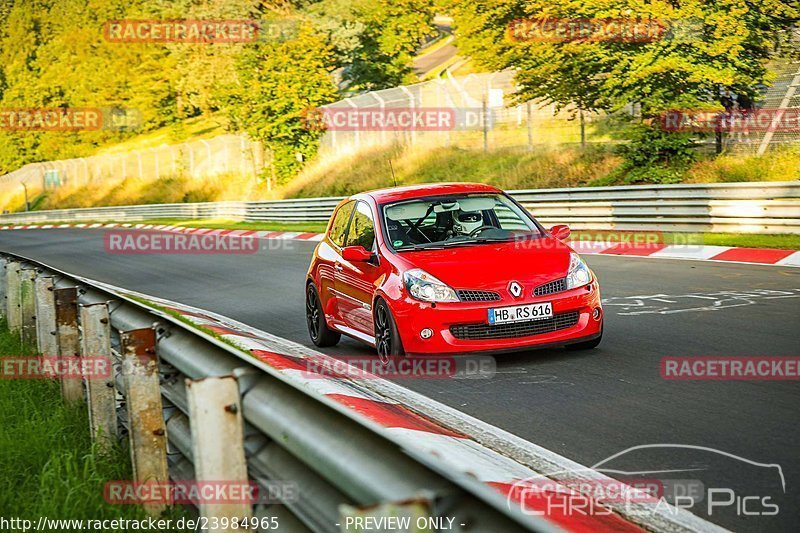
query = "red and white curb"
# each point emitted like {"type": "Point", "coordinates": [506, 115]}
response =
{"type": "Point", "coordinates": [454, 441]}
{"type": "Point", "coordinates": [760, 256]}
{"type": "Point", "coordinates": [726, 254]}
{"type": "Point", "coordinates": [292, 235]}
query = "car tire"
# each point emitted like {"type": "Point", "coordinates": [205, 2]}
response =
{"type": "Point", "coordinates": [321, 335]}
{"type": "Point", "coordinates": [588, 345]}
{"type": "Point", "coordinates": [387, 338]}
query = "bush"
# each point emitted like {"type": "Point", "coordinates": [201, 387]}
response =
{"type": "Point", "coordinates": [654, 174]}
{"type": "Point", "coordinates": [655, 156]}
{"type": "Point", "coordinates": [652, 146]}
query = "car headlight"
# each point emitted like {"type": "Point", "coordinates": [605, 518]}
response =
{"type": "Point", "coordinates": [578, 274]}
{"type": "Point", "coordinates": [427, 288]}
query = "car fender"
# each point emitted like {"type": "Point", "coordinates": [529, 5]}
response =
{"type": "Point", "coordinates": [390, 291]}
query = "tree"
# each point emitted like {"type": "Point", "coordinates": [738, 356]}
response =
{"type": "Point", "coordinates": [697, 49]}
{"type": "Point", "coordinates": [375, 41]}
{"type": "Point", "coordinates": [278, 84]}
{"type": "Point", "coordinates": [54, 55]}
{"type": "Point", "coordinates": [707, 45]}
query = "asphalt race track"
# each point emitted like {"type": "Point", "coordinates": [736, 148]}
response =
{"type": "Point", "coordinates": [587, 406]}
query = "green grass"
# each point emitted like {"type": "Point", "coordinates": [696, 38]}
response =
{"type": "Point", "coordinates": [785, 242]}
{"type": "Point", "coordinates": [191, 129]}
{"type": "Point", "coordinates": [564, 164]}
{"type": "Point", "coordinates": [776, 165]}
{"type": "Point", "coordinates": [48, 463]}
{"type": "Point", "coordinates": [509, 169]}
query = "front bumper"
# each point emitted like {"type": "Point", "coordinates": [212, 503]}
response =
{"type": "Point", "coordinates": [412, 316]}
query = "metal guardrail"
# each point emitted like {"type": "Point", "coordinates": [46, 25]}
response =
{"type": "Point", "coordinates": [196, 408]}
{"type": "Point", "coordinates": [757, 207]}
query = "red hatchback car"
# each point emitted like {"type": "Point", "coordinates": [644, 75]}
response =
{"type": "Point", "coordinates": [445, 269]}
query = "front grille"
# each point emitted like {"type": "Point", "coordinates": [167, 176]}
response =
{"type": "Point", "coordinates": [552, 287]}
{"type": "Point", "coordinates": [477, 296]}
{"type": "Point", "coordinates": [470, 332]}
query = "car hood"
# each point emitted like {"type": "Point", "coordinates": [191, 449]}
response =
{"type": "Point", "coordinates": [492, 266]}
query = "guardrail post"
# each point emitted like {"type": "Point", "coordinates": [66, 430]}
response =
{"type": "Point", "coordinates": [27, 304]}
{"type": "Point", "coordinates": [3, 264]}
{"type": "Point", "coordinates": [13, 309]}
{"type": "Point", "coordinates": [146, 427]}
{"type": "Point", "coordinates": [68, 339]}
{"type": "Point", "coordinates": [101, 395]}
{"type": "Point", "coordinates": [215, 415]}
{"type": "Point", "coordinates": [46, 316]}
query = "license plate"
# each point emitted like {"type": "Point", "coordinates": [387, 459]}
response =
{"type": "Point", "coordinates": [521, 313]}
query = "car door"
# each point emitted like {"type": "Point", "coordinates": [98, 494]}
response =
{"type": "Point", "coordinates": [355, 282]}
{"type": "Point", "coordinates": [329, 259]}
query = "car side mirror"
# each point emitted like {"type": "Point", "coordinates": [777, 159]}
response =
{"type": "Point", "coordinates": [560, 232]}
{"type": "Point", "coordinates": [356, 254]}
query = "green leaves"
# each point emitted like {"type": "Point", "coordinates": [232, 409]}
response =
{"type": "Point", "coordinates": [707, 45]}
{"type": "Point", "coordinates": [374, 41]}
{"type": "Point", "coordinates": [54, 54]}
{"type": "Point", "coordinates": [279, 84]}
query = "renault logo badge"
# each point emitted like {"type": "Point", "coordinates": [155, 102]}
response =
{"type": "Point", "coordinates": [515, 289]}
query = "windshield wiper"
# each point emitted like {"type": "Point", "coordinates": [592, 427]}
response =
{"type": "Point", "coordinates": [446, 244]}
{"type": "Point", "coordinates": [482, 240]}
{"type": "Point", "coordinates": [421, 246]}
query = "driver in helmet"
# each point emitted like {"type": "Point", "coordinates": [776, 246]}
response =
{"type": "Point", "coordinates": [465, 222]}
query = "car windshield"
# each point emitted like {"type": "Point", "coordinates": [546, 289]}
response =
{"type": "Point", "coordinates": [439, 222]}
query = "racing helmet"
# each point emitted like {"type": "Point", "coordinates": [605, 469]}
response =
{"type": "Point", "coordinates": [467, 221]}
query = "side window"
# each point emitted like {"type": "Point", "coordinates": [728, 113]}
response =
{"type": "Point", "coordinates": [509, 220]}
{"type": "Point", "coordinates": [339, 225]}
{"type": "Point", "coordinates": [362, 229]}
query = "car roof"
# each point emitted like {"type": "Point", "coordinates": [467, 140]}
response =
{"type": "Point", "coordinates": [409, 192]}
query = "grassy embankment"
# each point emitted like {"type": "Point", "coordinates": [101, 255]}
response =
{"type": "Point", "coordinates": [48, 465]}
{"type": "Point", "coordinates": [556, 166]}
{"type": "Point", "coordinates": [565, 165]}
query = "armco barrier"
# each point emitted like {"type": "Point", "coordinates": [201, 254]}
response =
{"type": "Point", "coordinates": [178, 384]}
{"type": "Point", "coordinates": [205, 399]}
{"type": "Point", "coordinates": [758, 207]}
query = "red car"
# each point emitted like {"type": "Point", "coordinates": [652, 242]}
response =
{"type": "Point", "coordinates": [445, 269]}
